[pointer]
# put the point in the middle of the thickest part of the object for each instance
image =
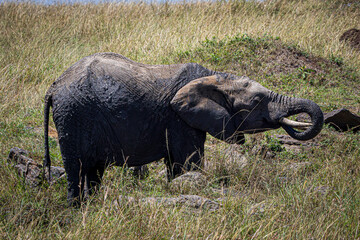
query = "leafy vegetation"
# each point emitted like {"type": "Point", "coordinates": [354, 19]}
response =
{"type": "Point", "coordinates": [290, 47]}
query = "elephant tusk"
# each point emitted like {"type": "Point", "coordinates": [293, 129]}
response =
{"type": "Point", "coordinates": [294, 124]}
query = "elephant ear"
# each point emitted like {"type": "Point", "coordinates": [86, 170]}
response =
{"type": "Point", "coordinates": [204, 106]}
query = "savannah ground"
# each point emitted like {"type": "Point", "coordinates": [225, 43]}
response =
{"type": "Point", "coordinates": [290, 47]}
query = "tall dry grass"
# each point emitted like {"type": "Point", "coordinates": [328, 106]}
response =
{"type": "Point", "coordinates": [37, 43]}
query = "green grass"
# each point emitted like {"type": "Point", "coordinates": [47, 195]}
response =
{"type": "Point", "coordinates": [290, 47]}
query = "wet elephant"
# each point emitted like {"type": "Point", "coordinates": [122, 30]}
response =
{"type": "Point", "coordinates": [111, 110]}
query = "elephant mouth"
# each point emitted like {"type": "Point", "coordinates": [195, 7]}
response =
{"type": "Point", "coordinates": [284, 122]}
{"type": "Point", "coordinates": [266, 126]}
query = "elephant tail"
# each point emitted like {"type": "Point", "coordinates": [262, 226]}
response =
{"type": "Point", "coordinates": [47, 161]}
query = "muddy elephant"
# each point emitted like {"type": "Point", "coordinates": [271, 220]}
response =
{"type": "Point", "coordinates": [108, 109]}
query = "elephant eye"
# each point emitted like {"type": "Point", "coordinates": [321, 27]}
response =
{"type": "Point", "coordinates": [256, 100]}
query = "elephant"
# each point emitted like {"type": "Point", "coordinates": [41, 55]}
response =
{"type": "Point", "coordinates": [109, 109]}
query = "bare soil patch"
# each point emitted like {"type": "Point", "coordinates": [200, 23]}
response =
{"type": "Point", "coordinates": [351, 37]}
{"type": "Point", "coordinates": [287, 60]}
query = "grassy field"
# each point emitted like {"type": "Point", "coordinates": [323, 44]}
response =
{"type": "Point", "coordinates": [291, 47]}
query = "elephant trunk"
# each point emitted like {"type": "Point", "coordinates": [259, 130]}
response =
{"type": "Point", "coordinates": [296, 106]}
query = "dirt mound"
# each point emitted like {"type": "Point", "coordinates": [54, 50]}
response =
{"type": "Point", "coordinates": [264, 56]}
{"type": "Point", "coordinates": [351, 37]}
{"type": "Point", "coordinates": [281, 59]}
{"type": "Point", "coordinates": [285, 60]}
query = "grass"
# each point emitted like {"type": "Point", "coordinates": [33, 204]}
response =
{"type": "Point", "coordinates": [265, 198]}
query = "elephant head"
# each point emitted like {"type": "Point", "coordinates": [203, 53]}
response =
{"type": "Point", "coordinates": [227, 108]}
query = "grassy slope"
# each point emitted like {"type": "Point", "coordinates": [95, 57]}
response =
{"type": "Point", "coordinates": [38, 43]}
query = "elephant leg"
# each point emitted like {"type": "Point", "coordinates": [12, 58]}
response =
{"type": "Point", "coordinates": [173, 169]}
{"type": "Point", "coordinates": [76, 181]}
{"type": "Point", "coordinates": [94, 177]}
{"type": "Point", "coordinates": [75, 168]}
{"type": "Point", "coordinates": [178, 165]}
{"type": "Point", "coordinates": [194, 161]}
{"type": "Point", "coordinates": [185, 151]}
{"type": "Point", "coordinates": [76, 143]}
{"type": "Point", "coordinates": [190, 161]}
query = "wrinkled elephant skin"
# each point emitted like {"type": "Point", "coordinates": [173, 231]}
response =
{"type": "Point", "coordinates": [111, 110]}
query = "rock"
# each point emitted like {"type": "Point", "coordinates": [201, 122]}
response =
{"type": "Point", "coordinates": [122, 201]}
{"type": "Point", "coordinates": [31, 171]}
{"type": "Point", "coordinates": [57, 173]}
{"type": "Point", "coordinates": [264, 151]}
{"type": "Point", "coordinates": [269, 155]}
{"type": "Point", "coordinates": [189, 180]}
{"type": "Point", "coordinates": [18, 156]}
{"type": "Point", "coordinates": [259, 150]}
{"type": "Point", "coordinates": [294, 145]}
{"type": "Point", "coordinates": [297, 166]}
{"type": "Point", "coordinates": [16, 152]}
{"type": "Point", "coordinates": [343, 120]}
{"type": "Point", "coordinates": [235, 158]}
{"type": "Point", "coordinates": [191, 201]}
{"type": "Point", "coordinates": [162, 174]}
{"type": "Point", "coordinates": [160, 201]}
{"type": "Point", "coordinates": [125, 199]}
{"type": "Point", "coordinates": [195, 201]}
{"type": "Point", "coordinates": [231, 157]}
{"type": "Point", "coordinates": [287, 140]}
